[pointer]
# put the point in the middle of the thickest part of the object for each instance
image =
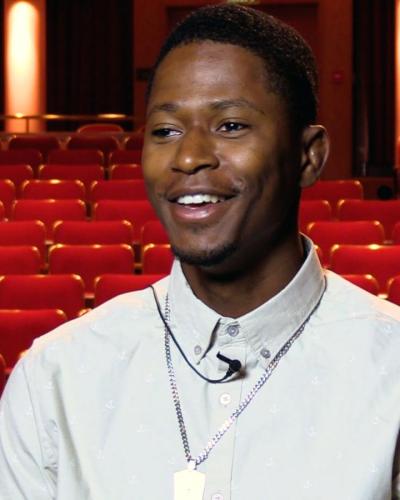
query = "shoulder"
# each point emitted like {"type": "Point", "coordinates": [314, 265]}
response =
{"type": "Point", "coordinates": [350, 319]}
{"type": "Point", "coordinates": [346, 300]}
{"type": "Point", "coordinates": [116, 326]}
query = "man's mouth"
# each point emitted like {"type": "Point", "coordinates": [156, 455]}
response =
{"type": "Point", "coordinates": [200, 199]}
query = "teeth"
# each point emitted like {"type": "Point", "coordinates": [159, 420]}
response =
{"type": "Point", "coordinates": [197, 199]}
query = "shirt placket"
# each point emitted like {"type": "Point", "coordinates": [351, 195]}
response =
{"type": "Point", "coordinates": [226, 398]}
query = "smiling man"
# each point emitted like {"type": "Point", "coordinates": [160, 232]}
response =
{"type": "Point", "coordinates": [248, 373]}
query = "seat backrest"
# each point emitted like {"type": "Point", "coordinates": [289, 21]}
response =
{"type": "Point", "coordinates": [32, 157]}
{"type": "Point", "coordinates": [394, 290]}
{"type": "Point", "coordinates": [7, 195]}
{"type": "Point", "coordinates": [110, 285]}
{"type": "Point", "coordinates": [71, 156]}
{"type": "Point", "coordinates": [125, 156]}
{"type": "Point", "coordinates": [135, 141]}
{"type": "Point", "coordinates": [153, 232]}
{"type": "Point", "coordinates": [2, 374]}
{"type": "Point", "coordinates": [328, 233]}
{"type": "Point", "coordinates": [382, 261]}
{"type": "Point", "coordinates": [29, 232]}
{"type": "Point", "coordinates": [106, 144]}
{"type": "Point", "coordinates": [90, 261]}
{"type": "Point", "coordinates": [93, 232]}
{"type": "Point", "coordinates": [127, 189]}
{"type": "Point", "coordinates": [43, 143]}
{"type": "Point", "coordinates": [99, 127]}
{"type": "Point", "coordinates": [17, 174]}
{"type": "Point", "coordinates": [157, 259]}
{"type": "Point", "coordinates": [396, 233]}
{"type": "Point", "coordinates": [333, 191]}
{"type": "Point", "coordinates": [43, 291]}
{"type": "Point", "coordinates": [19, 328]}
{"type": "Point", "coordinates": [49, 211]}
{"type": "Point", "coordinates": [386, 212]}
{"type": "Point", "coordinates": [86, 173]}
{"type": "Point", "coordinates": [136, 212]}
{"type": "Point", "coordinates": [126, 171]}
{"type": "Point", "coordinates": [40, 189]}
{"type": "Point", "coordinates": [313, 210]}
{"type": "Point", "coordinates": [365, 281]}
{"type": "Point", "coordinates": [21, 259]}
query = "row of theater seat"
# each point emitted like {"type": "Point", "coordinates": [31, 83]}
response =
{"type": "Point", "coordinates": [48, 143]}
{"type": "Point", "coordinates": [87, 261]}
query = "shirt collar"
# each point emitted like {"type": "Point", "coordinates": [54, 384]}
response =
{"type": "Point", "coordinates": [265, 329]}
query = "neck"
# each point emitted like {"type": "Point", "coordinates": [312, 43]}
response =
{"type": "Point", "coordinates": [234, 294]}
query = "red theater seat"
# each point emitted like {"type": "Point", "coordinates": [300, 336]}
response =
{"type": "Point", "coordinates": [93, 232]}
{"type": "Point", "coordinates": [394, 290]}
{"type": "Point", "coordinates": [333, 191]}
{"type": "Point", "coordinates": [29, 232]}
{"type": "Point", "coordinates": [313, 210]}
{"type": "Point", "coordinates": [40, 189]}
{"type": "Point", "coordinates": [43, 291]}
{"type": "Point", "coordinates": [49, 211]}
{"type": "Point", "coordinates": [72, 156]}
{"type": "Point", "coordinates": [154, 232]}
{"type": "Point", "coordinates": [106, 144]}
{"type": "Point", "coordinates": [2, 374]}
{"type": "Point", "coordinates": [118, 190]}
{"type": "Point", "coordinates": [157, 259]}
{"type": "Point", "coordinates": [383, 262]}
{"type": "Point", "coordinates": [386, 212]}
{"type": "Point", "coordinates": [91, 128]}
{"type": "Point", "coordinates": [19, 328]}
{"type": "Point", "coordinates": [126, 171]}
{"type": "Point", "coordinates": [136, 212]}
{"type": "Point", "coordinates": [125, 156]}
{"type": "Point", "coordinates": [328, 233]}
{"type": "Point", "coordinates": [21, 259]}
{"type": "Point", "coordinates": [17, 174]}
{"type": "Point", "coordinates": [110, 285]}
{"type": "Point", "coordinates": [7, 195]}
{"type": "Point", "coordinates": [364, 281]}
{"type": "Point", "coordinates": [86, 173]}
{"type": "Point", "coordinates": [135, 141]}
{"type": "Point", "coordinates": [42, 143]}
{"type": "Point", "coordinates": [31, 157]}
{"type": "Point", "coordinates": [90, 261]}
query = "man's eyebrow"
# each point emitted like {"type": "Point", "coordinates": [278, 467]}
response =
{"type": "Point", "coordinates": [168, 107]}
{"type": "Point", "coordinates": [221, 104]}
{"type": "Point", "coordinates": [235, 103]}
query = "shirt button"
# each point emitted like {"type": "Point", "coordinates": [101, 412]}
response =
{"type": "Point", "coordinates": [233, 330]}
{"type": "Point", "coordinates": [225, 399]}
{"type": "Point", "coordinates": [197, 350]}
{"type": "Point", "coordinates": [265, 353]}
{"type": "Point", "coordinates": [217, 496]}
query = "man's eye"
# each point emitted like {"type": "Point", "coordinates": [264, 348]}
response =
{"type": "Point", "coordinates": [233, 127]}
{"type": "Point", "coordinates": [164, 132]}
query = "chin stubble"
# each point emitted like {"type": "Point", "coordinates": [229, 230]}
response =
{"type": "Point", "coordinates": [205, 258]}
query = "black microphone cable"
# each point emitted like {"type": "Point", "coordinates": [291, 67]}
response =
{"type": "Point", "coordinates": [234, 365]}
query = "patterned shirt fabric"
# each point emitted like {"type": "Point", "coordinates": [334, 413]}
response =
{"type": "Point", "coordinates": [88, 413]}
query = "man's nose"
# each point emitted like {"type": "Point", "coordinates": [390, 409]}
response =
{"type": "Point", "coordinates": [196, 151]}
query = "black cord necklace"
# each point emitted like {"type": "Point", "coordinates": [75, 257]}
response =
{"type": "Point", "coordinates": [234, 365]}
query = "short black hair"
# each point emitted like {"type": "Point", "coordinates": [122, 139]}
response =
{"type": "Point", "coordinates": [289, 61]}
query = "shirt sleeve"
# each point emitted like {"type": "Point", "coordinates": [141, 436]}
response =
{"type": "Point", "coordinates": [22, 473]}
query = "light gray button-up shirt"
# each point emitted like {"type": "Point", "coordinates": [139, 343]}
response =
{"type": "Point", "coordinates": [88, 412]}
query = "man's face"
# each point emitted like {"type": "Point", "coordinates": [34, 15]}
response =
{"type": "Point", "coordinates": [219, 158]}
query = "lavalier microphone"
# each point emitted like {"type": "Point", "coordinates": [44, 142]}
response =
{"type": "Point", "coordinates": [234, 365]}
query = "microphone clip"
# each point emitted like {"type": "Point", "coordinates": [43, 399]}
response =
{"type": "Point", "coordinates": [234, 364]}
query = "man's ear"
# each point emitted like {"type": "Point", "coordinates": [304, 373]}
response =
{"type": "Point", "coordinates": [315, 150]}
